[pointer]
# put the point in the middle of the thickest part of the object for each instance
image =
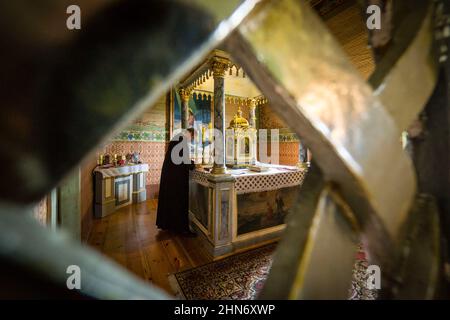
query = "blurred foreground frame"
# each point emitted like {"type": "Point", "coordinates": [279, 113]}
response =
{"type": "Point", "coordinates": [128, 53]}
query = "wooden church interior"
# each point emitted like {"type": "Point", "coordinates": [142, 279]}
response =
{"type": "Point", "coordinates": [238, 209]}
{"type": "Point", "coordinates": [122, 224]}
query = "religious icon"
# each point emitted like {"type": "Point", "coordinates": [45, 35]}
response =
{"type": "Point", "coordinates": [106, 159]}
{"type": "Point", "coordinates": [135, 157]}
{"type": "Point", "coordinates": [247, 145]}
{"type": "Point", "coordinates": [129, 157]}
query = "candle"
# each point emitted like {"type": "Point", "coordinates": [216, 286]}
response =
{"type": "Point", "coordinates": [211, 132]}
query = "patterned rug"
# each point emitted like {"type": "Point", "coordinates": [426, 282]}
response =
{"type": "Point", "coordinates": [242, 276]}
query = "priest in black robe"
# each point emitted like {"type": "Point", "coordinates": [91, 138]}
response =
{"type": "Point", "coordinates": [173, 199]}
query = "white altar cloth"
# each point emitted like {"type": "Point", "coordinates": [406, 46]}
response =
{"type": "Point", "coordinates": [122, 170]}
{"type": "Point", "coordinates": [246, 181]}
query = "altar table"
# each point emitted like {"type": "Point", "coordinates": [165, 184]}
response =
{"type": "Point", "coordinates": [118, 186]}
{"type": "Point", "coordinates": [242, 208]}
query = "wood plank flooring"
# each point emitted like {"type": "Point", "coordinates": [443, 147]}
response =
{"type": "Point", "coordinates": [130, 237]}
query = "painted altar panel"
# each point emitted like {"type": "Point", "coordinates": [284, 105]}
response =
{"type": "Point", "coordinates": [224, 214]}
{"type": "Point", "coordinates": [199, 203]}
{"type": "Point", "coordinates": [201, 106]}
{"type": "Point", "coordinates": [266, 209]}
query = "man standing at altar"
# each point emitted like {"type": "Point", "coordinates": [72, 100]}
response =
{"type": "Point", "coordinates": [173, 199]}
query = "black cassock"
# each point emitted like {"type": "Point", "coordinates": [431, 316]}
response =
{"type": "Point", "coordinates": [173, 199]}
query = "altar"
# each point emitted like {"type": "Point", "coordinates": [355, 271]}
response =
{"type": "Point", "coordinates": [242, 208]}
{"type": "Point", "coordinates": [238, 196]}
{"type": "Point", "coordinates": [118, 186]}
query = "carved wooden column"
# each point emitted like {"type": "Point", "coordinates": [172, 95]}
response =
{"type": "Point", "coordinates": [219, 66]}
{"type": "Point", "coordinates": [184, 95]}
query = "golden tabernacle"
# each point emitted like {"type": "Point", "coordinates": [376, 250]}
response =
{"type": "Point", "coordinates": [240, 142]}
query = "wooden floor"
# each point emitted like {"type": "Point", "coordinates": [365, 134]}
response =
{"type": "Point", "coordinates": [131, 238]}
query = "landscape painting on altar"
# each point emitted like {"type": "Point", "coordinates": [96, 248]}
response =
{"type": "Point", "coordinates": [199, 202]}
{"type": "Point", "coordinates": [261, 210]}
